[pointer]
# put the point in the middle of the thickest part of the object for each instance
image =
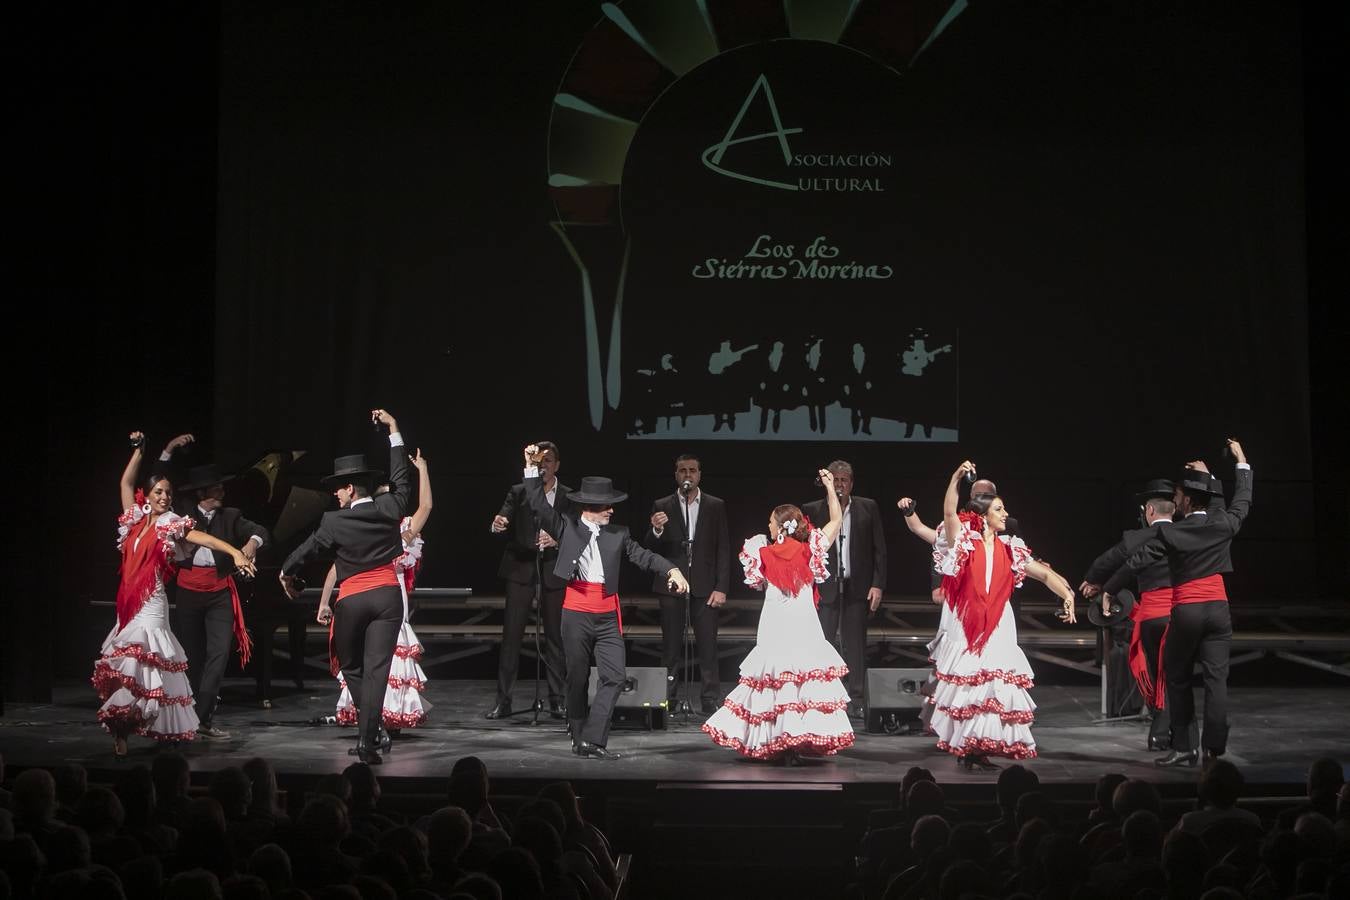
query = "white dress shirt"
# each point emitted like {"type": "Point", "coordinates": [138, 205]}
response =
{"type": "Point", "coordinates": [691, 505]}
{"type": "Point", "coordinates": [589, 565]}
{"type": "Point", "coordinates": [203, 557]}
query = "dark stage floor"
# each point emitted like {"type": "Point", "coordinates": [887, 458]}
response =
{"type": "Point", "coordinates": [1276, 732]}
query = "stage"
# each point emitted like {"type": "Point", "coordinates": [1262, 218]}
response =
{"type": "Point", "coordinates": [1276, 732]}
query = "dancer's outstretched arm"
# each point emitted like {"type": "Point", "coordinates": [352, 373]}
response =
{"type": "Point", "coordinates": [951, 500]}
{"type": "Point", "coordinates": [128, 484]}
{"type": "Point", "coordinates": [1056, 583]}
{"type": "Point", "coordinates": [914, 523]}
{"type": "Point", "coordinates": [419, 518]}
{"type": "Point", "coordinates": [831, 528]}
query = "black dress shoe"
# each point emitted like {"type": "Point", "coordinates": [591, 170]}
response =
{"type": "Point", "coordinates": [587, 750]}
{"type": "Point", "coordinates": [500, 711]}
{"type": "Point", "coordinates": [383, 740]}
{"type": "Point", "coordinates": [556, 709]}
{"type": "Point", "coordinates": [367, 755]}
{"type": "Point", "coordinates": [1159, 743]}
{"type": "Point", "coordinates": [1208, 756]}
{"type": "Point", "coordinates": [710, 707]}
{"type": "Point", "coordinates": [974, 761]}
{"type": "Point", "coordinates": [1178, 758]}
{"type": "Point", "coordinates": [855, 710]}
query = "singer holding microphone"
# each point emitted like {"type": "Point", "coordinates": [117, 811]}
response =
{"type": "Point", "coordinates": [590, 553]}
{"type": "Point", "coordinates": [689, 527]}
{"type": "Point", "coordinates": [857, 575]}
{"type": "Point", "coordinates": [527, 561]}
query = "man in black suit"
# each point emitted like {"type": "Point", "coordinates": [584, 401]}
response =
{"type": "Point", "coordinates": [364, 537]}
{"type": "Point", "coordinates": [1197, 549]}
{"type": "Point", "coordinates": [531, 553]}
{"type": "Point", "coordinates": [1152, 610]}
{"type": "Point", "coordinates": [589, 555]}
{"type": "Point", "coordinates": [690, 527]}
{"type": "Point", "coordinates": [857, 576]}
{"type": "Point", "coordinates": [207, 613]}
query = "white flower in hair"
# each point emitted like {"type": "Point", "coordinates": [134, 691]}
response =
{"type": "Point", "coordinates": [790, 526]}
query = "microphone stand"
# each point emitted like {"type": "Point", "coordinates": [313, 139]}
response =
{"type": "Point", "coordinates": [685, 707]}
{"type": "Point", "coordinates": [537, 625]}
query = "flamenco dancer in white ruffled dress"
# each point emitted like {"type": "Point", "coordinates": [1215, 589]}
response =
{"type": "Point", "coordinates": [141, 673]}
{"type": "Point", "coordinates": [404, 705]}
{"type": "Point", "coordinates": [981, 706]}
{"type": "Point", "coordinates": [790, 701]}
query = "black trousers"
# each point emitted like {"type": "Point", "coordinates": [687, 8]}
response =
{"type": "Point", "coordinates": [586, 634]}
{"type": "Point", "coordinates": [204, 625]}
{"type": "Point", "coordinates": [1199, 633]}
{"type": "Point", "coordinates": [519, 598]}
{"type": "Point", "coordinates": [1150, 636]}
{"type": "Point", "coordinates": [848, 619]}
{"type": "Point", "coordinates": [365, 632]}
{"type": "Point", "coordinates": [703, 618]}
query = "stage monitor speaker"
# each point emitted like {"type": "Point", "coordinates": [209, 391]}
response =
{"type": "Point", "coordinates": [893, 699]}
{"type": "Point", "coordinates": [642, 702]}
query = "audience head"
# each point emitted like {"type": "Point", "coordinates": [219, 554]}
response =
{"type": "Point", "coordinates": [911, 777]}
{"type": "Point", "coordinates": [263, 780]}
{"type": "Point", "coordinates": [34, 797]}
{"type": "Point", "coordinates": [928, 834]}
{"type": "Point", "coordinates": [389, 869]}
{"type": "Point", "coordinates": [6, 825]}
{"type": "Point", "coordinates": [546, 810]}
{"type": "Point", "coordinates": [100, 813]}
{"type": "Point", "coordinates": [273, 865]}
{"type": "Point", "coordinates": [144, 874]}
{"type": "Point", "coordinates": [411, 845]}
{"type": "Point", "coordinates": [71, 782]}
{"type": "Point", "coordinates": [965, 879]}
{"type": "Point", "coordinates": [1013, 782]}
{"type": "Point", "coordinates": [136, 790]}
{"type": "Point", "coordinates": [516, 872]}
{"type": "Point", "coordinates": [231, 788]}
{"type": "Point", "coordinates": [1316, 835]}
{"type": "Point", "coordinates": [194, 884]}
{"type": "Point", "coordinates": [1220, 784]}
{"type": "Point", "coordinates": [971, 842]}
{"type": "Point", "coordinates": [365, 786]}
{"type": "Point", "coordinates": [468, 791]}
{"type": "Point", "coordinates": [561, 793]}
{"type": "Point", "coordinates": [448, 835]}
{"type": "Point", "coordinates": [1184, 859]}
{"type": "Point", "coordinates": [1062, 864]}
{"type": "Point", "coordinates": [245, 887]}
{"type": "Point", "coordinates": [1029, 838]}
{"type": "Point", "coordinates": [925, 798]}
{"type": "Point", "coordinates": [1142, 835]}
{"type": "Point", "coordinates": [1106, 788]}
{"type": "Point", "coordinates": [1035, 805]}
{"type": "Point", "coordinates": [172, 776]}
{"type": "Point", "coordinates": [66, 849]}
{"type": "Point", "coordinates": [324, 820]}
{"type": "Point", "coordinates": [1324, 778]}
{"type": "Point", "coordinates": [478, 886]}
{"type": "Point", "coordinates": [334, 786]}
{"type": "Point", "coordinates": [542, 840]}
{"type": "Point", "coordinates": [1132, 795]}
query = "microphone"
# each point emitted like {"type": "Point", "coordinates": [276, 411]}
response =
{"type": "Point", "coordinates": [686, 486]}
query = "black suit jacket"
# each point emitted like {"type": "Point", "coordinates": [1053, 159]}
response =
{"type": "Point", "coordinates": [518, 557]}
{"type": "Point", "coordinates": [866, 549]}
{"type": "Point", "coordinates": [363, 536]}
{"type": "Point", "coordinates": [1195, 547]}
{"type": "Point", "coordinates": [711, 547]}
{"type": "Point", "coordinates": [230, 526]}
{"type": "Point", "coordinates": [573, 537]}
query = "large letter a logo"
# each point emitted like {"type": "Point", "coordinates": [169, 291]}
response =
{"type": "Point", "coordinates": [712, 157]}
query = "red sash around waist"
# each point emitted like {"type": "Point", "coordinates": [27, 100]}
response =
{"type": "Point", "coordinates": [589, 597]}
{"type": "Point", "coordinates": [1152, 605]}
{"type": "Point", "coordinates": [207, 580]}
{"type": "Point", "coordinates": [1200, 590]}
{"type": "Point", "coordinates": [380, 576]}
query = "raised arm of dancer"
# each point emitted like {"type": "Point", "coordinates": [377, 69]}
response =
{"type": "Point", "coordinates": [914, 523]}
{"type": "Point", "coordinates": [325, 609]}
{"type": "Point", "coordinates": [241, 562]}
{"type": "Point", "coordinates": [1057, 585]}
{"type": "Point", "coordinates": [831, 528]}
{"type": "Point", "coordinates": [400, 495]}
{"type": "Point", "coordinates": [419, 518]}
{"type": "Point", "coordinates": [129, 473]}
{"type": "Point", "coordinates": [951, 500]}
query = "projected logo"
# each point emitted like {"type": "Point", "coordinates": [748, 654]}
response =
{"type": "Point", "coordinates": [712, 156]}
{"type": "Point", "coordinates": [738, 222]}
